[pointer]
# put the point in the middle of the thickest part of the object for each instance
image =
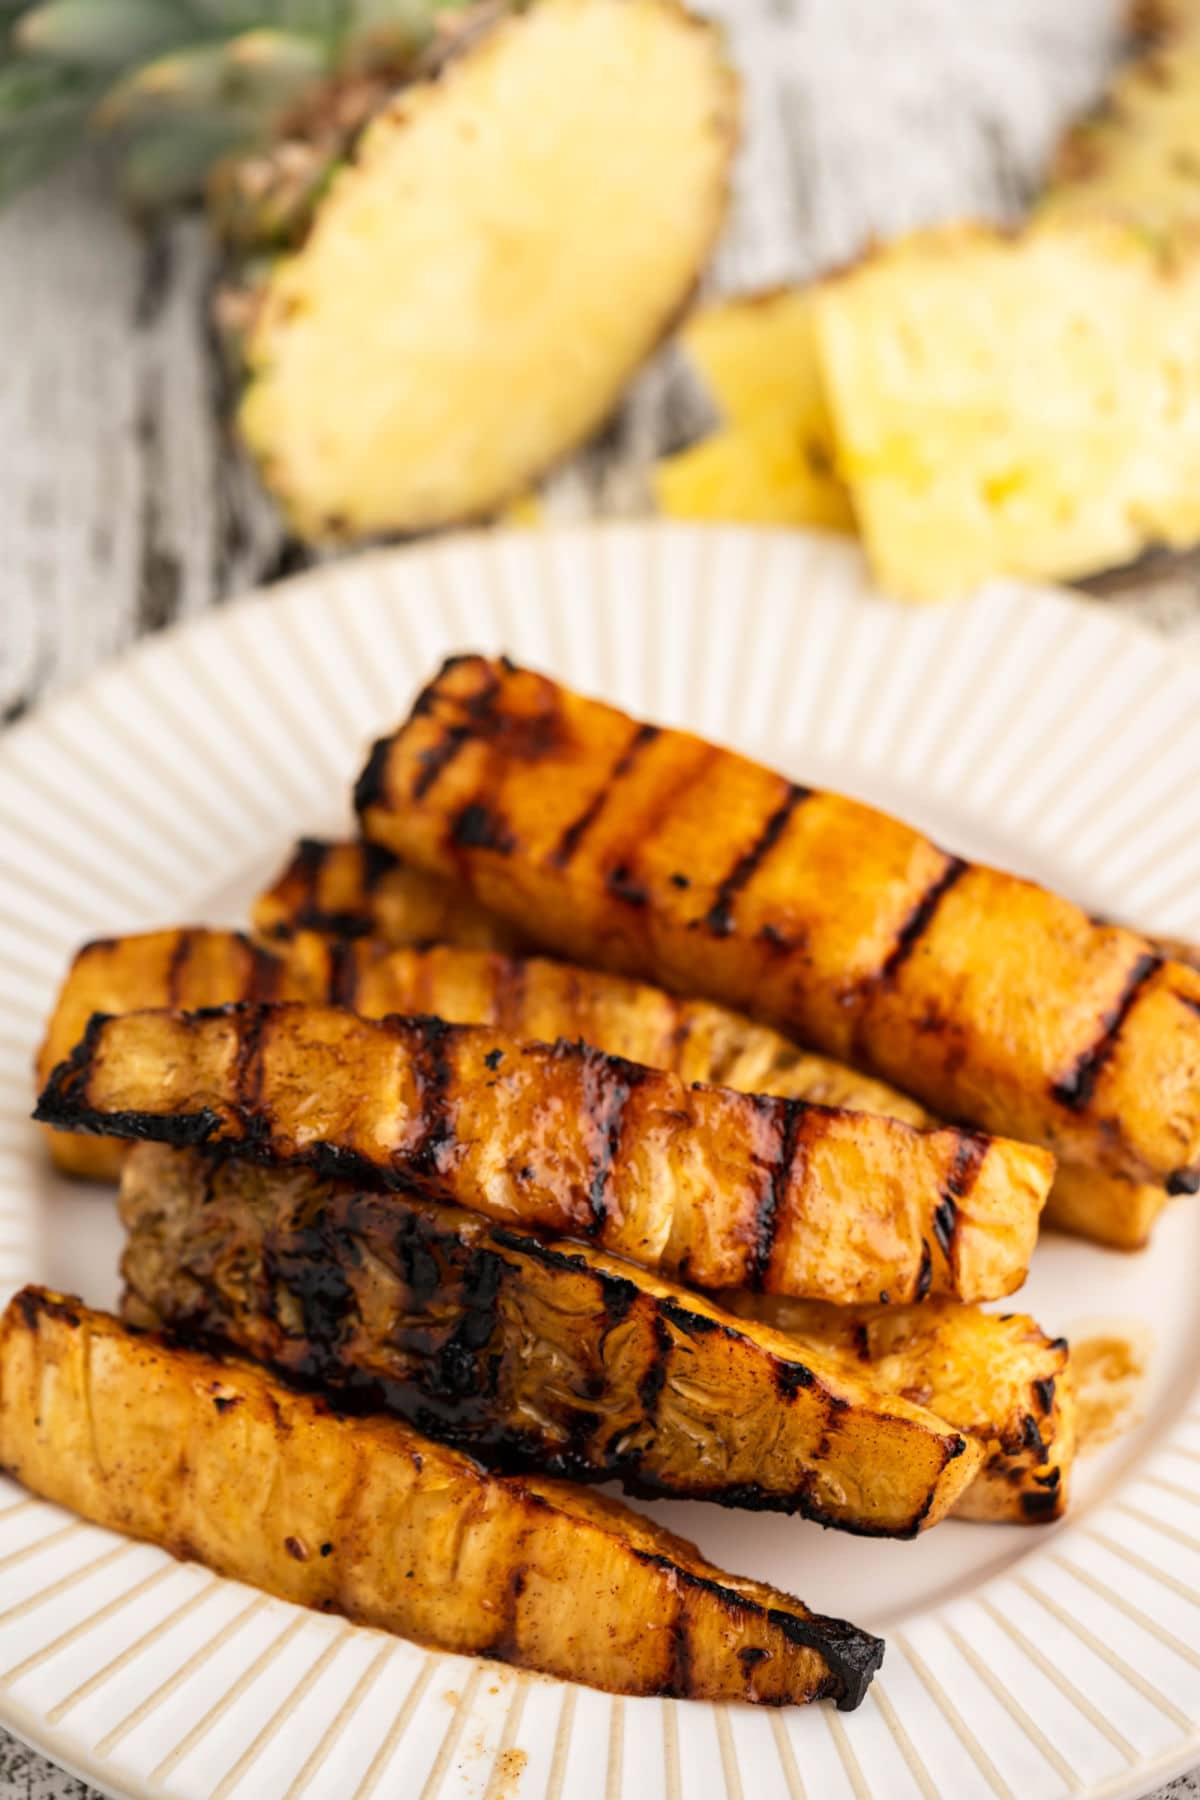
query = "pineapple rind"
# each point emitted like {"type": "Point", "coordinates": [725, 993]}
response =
{"type": "Point", "coordinates": [1138, 155]}
{"type": "Point", "coordinates": [508, 246]}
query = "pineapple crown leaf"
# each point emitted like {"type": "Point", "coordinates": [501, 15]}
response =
{"type": "Point", "coordinates": [179, 83]}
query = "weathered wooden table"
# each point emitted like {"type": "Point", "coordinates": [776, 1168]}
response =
{"type": "Point", "coordinates": [121, 508]}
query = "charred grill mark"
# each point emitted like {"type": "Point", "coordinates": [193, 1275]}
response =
{"type": "Point", "coordinates": [440, 754]}
{"type": "Point", "coordinates": [621, 879]}
{"type": "Point", "coordinates": [477, 827]}
{"type": "Point", "coordinates": [343, 973]}
{"type": "Point", "coordinates": [508, 996]}
{"type": "Point", "coordinates": [790, 1377]}
{"type": "Point", "coordinates": [719, 917]}
{"type": "Point", "coordinates": [462, 1370]}
{"type": "Point", "coordinates": [945, 1223]}
{"type": "Point", "coordinates": [434, 1073]}
{"type": "Point", "coordinates": [414, 1247]}
{"type": "Point", "coordinates": [181, 950]}
{"type": "Point", "coordinates": [334, 924]}
{"type": "Point", "coordinates": [266, 969]}
{"type": "Point", "coordinates": [248, 1073]}
{"type": "Point", "coordinates": [1041, 1505]}
{"type": "Point", "coordinates": [376, 863]}
{"type": "Point", "coordinates": [1076, 1088]}
{"type": "Point", "coordinates": [306, 873]}
{"type": "Point", "coordinates": [607, 1083]}
{"type": "Point", "coordinates": [680, 1680]}
{"type": "Point", "coordinates": [574, 833]}
{"type": "Point", "coordinates": [692, 1324]}
{"type": "Point", "coordinates": [371, 787]}
{"type": "Point", "coordinates": [853, 1655]}
{"type": "Point", "coordinates": [34, 1304]}
{"type": "Point", "coordinates": [790, 1114]}
{"type": "Point", "coordinates": [1183, 1181]}
{"type": "Point", "coordinates": [964, 1172]}
{"type": "Point", "coordinates": [438, 757]}
{"type": "Point", "coordinates": [1044, 1389]}
{"type": "Point", "coordinates": [920, 918]}
{"type": "Point", "coordinates": [654, 1376]}
{"type": "Point", "coordinates": [924, 1273]}
{"type": "Point", "coordinates": [307, 1260]}
{"type": "Point", "coordinates": [307, 863]}
{"type": "Point", "coordinates": [1191, 1001]}
{"type": "Point", "coordinates": [1031, 1436]}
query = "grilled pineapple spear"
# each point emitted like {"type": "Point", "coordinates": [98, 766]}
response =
{"type": "Point", "coordinates": [655, 853]}
{"type": "Point", "coordinates": [361, 889]}
{"type": "Point", "coordinates": [364, 1517]}
{"type": "Point", "coordinates": [529, 997]}
{"type": "Point", "coordinates": [534, 1355]}
{"type": "Point", "coordinates": [357, 889]}
{"type": "Point", "coordinates": [720, 1188]}
{"type": "Point", "coordinates": [995, 1375]}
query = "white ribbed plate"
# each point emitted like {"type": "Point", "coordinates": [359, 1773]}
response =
{"type": "Point", "coordinates": [1023, 727]}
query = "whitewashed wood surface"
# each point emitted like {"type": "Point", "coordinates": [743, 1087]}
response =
{"type": "Point", "coordinates": [122, 507]}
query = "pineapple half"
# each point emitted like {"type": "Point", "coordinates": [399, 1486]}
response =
{"type": "Point", "coordinates": [772, 463]}
{"type": "Point", "coordinates": [507, 243]}
{"type": "Point", "coordinates": [1016, 403]}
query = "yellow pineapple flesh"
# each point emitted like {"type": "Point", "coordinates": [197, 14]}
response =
{"type": "Point", "coordinates": [1016, 403]}
{"type": "Point", "coordinates": [508, 244]}
{"type": "Point", "coordinates": [773, 462]}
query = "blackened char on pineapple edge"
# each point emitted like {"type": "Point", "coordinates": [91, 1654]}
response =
{"type": "Point", "coordinates": [704, 1184]}
{"type": "Point", "coordinates": [414, 1537]}
{"type": "Point", "coordinates": [535, 1355]}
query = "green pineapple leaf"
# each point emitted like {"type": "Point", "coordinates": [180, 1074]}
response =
{"type": "Point", "coordinates": [96, 34]}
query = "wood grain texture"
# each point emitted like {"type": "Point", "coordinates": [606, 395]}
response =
{"type": "Point", "coordinates": [122, 508]}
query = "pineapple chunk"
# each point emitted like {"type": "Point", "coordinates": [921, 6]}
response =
{"type": "Point", "coordinates": [774, 464]}
{"type": "Point", "coordinates": [1023, 404]}
{"type": "Point", "coordinates": [511, 241]}
{"type": "Point", "coordinates": [754, 478]}
{"type": "Point", "coordinates": [758, 356]}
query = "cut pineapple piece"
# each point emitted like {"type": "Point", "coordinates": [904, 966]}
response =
{"type": "Point", "coordinates": [1021, 404]}
{"type": "Point", "coordinates": [757, 355]}
{"type": "Point", "coordinates": [510, 243]}
{"type": "Point", "coordinates": [753, 478]}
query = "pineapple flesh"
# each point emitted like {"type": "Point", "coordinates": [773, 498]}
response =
{"type": "Point", "coordinates": [773, 461]}
{"type": "Point", "coordinates": [1023, 404]}
{"type": "Point", "coordinates": [506, 246]}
